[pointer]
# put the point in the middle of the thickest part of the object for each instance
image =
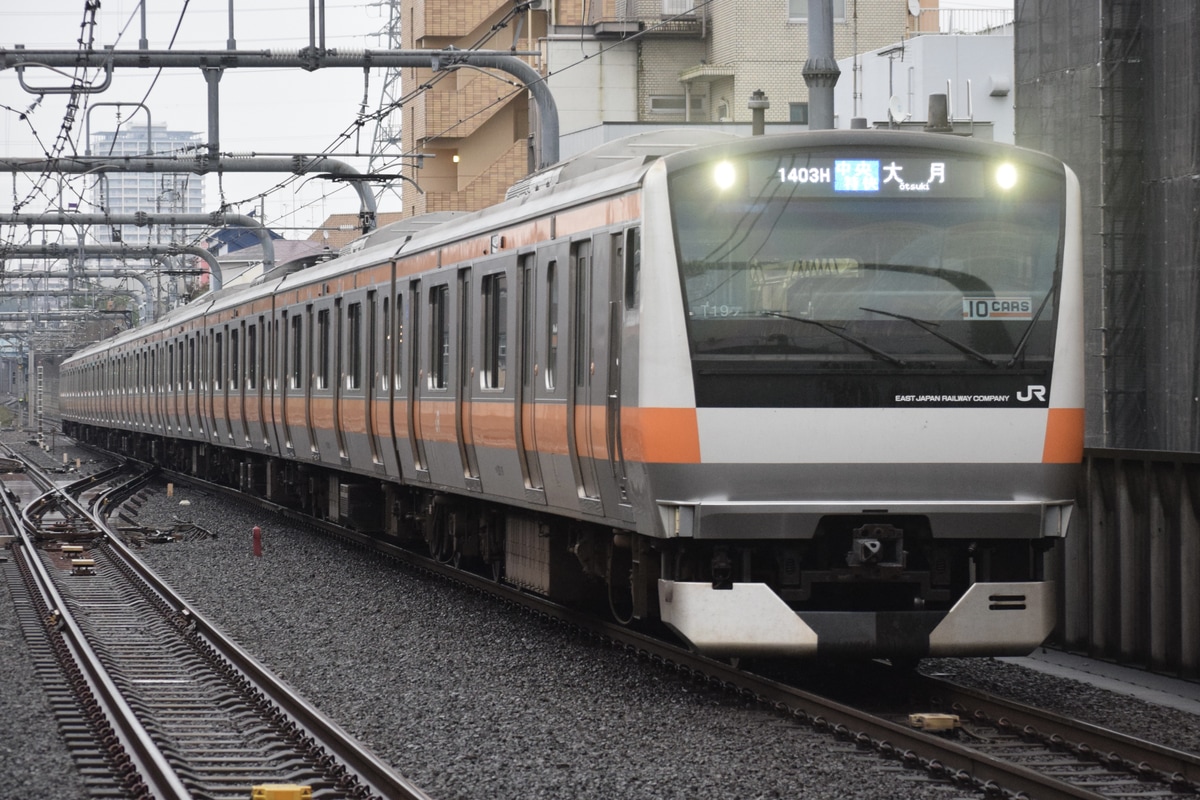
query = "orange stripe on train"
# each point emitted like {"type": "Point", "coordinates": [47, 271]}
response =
{"type": "Point", "coordinates": [661, 435]}
{"type": "Point", "coordinates": [1064, 436]}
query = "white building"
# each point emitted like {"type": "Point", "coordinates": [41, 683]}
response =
{"type": "Point", "coordinates": [149, 192]}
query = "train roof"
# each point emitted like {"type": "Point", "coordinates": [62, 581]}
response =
{"type": "Point", "coordinates": [636, 149]}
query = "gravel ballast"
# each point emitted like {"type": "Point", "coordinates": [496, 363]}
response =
{"type": "Point", "coordinates": [472, 699]}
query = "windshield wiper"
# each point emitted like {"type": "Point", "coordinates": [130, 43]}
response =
{"type": "Point", "coordinates": [931, 327]}
{"type": "Point", "coordinates": [1029, 329]}
{"type": "Point", "coordinates": [838, 332]}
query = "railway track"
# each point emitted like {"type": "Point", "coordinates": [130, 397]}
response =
{"type": "Point", "coordinates": [153, 701]}
{"type": "Point", "coordinates": [996, 748]}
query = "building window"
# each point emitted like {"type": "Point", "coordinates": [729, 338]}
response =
{"type": "Point", "coordinates": [671, 8]}
{"type": "Point", "coordinates": [798, 10]}
{"type": "Point", "coordinates": [673, 104]}
{"type": "Point", "coordinates": [798, 112]}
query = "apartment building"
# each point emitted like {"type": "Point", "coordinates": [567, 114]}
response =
{"type": "Point", "coordinates": [661, 62]}
{"type": "Point", "coordinates": [149, 192]}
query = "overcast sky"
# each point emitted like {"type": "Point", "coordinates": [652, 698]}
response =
{"type": "Point", "coordinates": [264, 111]}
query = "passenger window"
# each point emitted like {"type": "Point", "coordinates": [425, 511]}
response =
{"type": "Point", "coordinates": [354, 348]}
{"type": "Point", "coordinates": [551, 323]}
{"type": "Point", "coordinates": [495, 333]}
{"type": "Point", "coordinates": [252, 357]}
{"type": "Point", "coordinates": [439, 336]}
{"type": "Point", "coordinates": [235, 363]}
{"type": "Point", "coordinates": [297, 377]}
{"type": "Point", "coordinates": [323, 349]}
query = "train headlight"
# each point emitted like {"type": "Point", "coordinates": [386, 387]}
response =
{"type": "Point", "coordinates": [724, 175]}
{"type": "Point", "coordinates": [1006, 176]}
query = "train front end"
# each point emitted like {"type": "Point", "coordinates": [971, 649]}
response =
{"type": "Point", "coordinates": [876, 413]}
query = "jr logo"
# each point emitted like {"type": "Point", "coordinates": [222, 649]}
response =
{"type": "Point", "coordinates": [1031, 393]}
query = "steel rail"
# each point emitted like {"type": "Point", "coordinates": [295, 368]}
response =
{"type": "Point", "coordinates": [151, 765]}
{"type": "Point", "coordinates": [368, 768]}
{"type": "Point", "coordinates": [1139, 757]}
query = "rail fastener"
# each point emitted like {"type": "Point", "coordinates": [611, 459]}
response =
{"type": "Point", "coordinates": [935, 722]}
{"type": "Point", "coordinates": [281, 791]}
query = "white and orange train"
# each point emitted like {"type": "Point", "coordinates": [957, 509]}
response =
{"type": "Point", "coordinates": [815, 394]}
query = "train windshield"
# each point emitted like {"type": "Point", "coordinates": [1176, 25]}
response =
{"type": "Point", "coordinates": [860, 263]}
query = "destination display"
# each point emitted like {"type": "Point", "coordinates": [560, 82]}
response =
{"type": "Point", "coordinates": [864, 176]}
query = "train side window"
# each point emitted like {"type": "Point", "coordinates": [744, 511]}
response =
{"type": "Point", "coordinates": [495, 333]}
{"type": "Point", "coordinates": [235, 362]}
{"type": "Point", "coordinates": [297, 342]}
{"type": "Point", "coordinates": [252, 357]}
{"type": "Point", "coordinates": [581, 253]}
{"type": "Point", "coordinates": [398, 343]}
{"type": "Point", "coordinates": [385, 365]}
{"type": "Point", "coordinates": [170, 365]}
{"type": "Point", "coordinates": [354, 346]}
{"type": "Point", "coordinates": [526, 316]}
{"type": "Point", "coordinates": [439, 336]}
{"type": "Point", "coordinates": [219, 362]}
{"type": "Point", "coordinates": [206, 368]}
{"type": "Point", "coordinates": [633, 266]}
{"type": "Point", "coordinates": [323, 349]}
{"type": "Point", "coordinates": [271, 346]}
{"type": "Point", "coordinates": [551, 323]}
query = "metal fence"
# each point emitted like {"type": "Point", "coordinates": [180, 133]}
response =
{"type": "Point", "coordinates": [1129, 573]}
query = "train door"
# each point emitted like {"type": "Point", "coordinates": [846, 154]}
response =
{"type": "Point", "coordinates": [240, 435]}
{"type": "Point", "coordinates": [304, 357]}
{"type": "Point", "coordinates": [328, 377]}
{"type": "Point", "coordinates": [189, 397]}
{"type": "Point", "coordinates": [271, 383]}
{"type": "Point", "coordinates": [370, 380]}
{"type": "Point", "coordinates": [255, 378]}
{"type": "Point", "coordinates": [399, 379]}
{"type": "Point", "coordinates": [165, 353]}
{"type": "Point", "coordinates": [352, 415]}
{"type": "Point", "coordinates": [623, 276]}
{"type": "Point", "coordinates": [416, 374]}
{"type": "Point", "coordinates": [222, 340]}
{"type": "Point", "coordinates": [462, 392]}
{"type": "Point", "coordinates": [582, 413]}
{"type": "Point", "coordinates": [289, 330]}
{"type": "Point", "coordinates": [211, 386]}
{"type": "Point", "coordinates": [172, 389]}
{"type": "Point", "coordinates": [547, 432]}
{"type": "Point", "coordinates": [525, 390]}
{"type": "Point", "coordinates": [139, 388]}
{"type": "Point", "coordinates": [437, 416]}
{"type": "Point", "coordinates": [155, 391]}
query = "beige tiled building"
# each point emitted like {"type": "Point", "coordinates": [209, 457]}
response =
{"type": "Point", "coordinates": [658, 61]}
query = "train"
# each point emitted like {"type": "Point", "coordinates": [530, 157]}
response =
{"type": "Point", "coordinates": [808, 395]}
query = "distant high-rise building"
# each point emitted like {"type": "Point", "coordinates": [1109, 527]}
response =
{"type": "Point", "coordinates": [148, 192]}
